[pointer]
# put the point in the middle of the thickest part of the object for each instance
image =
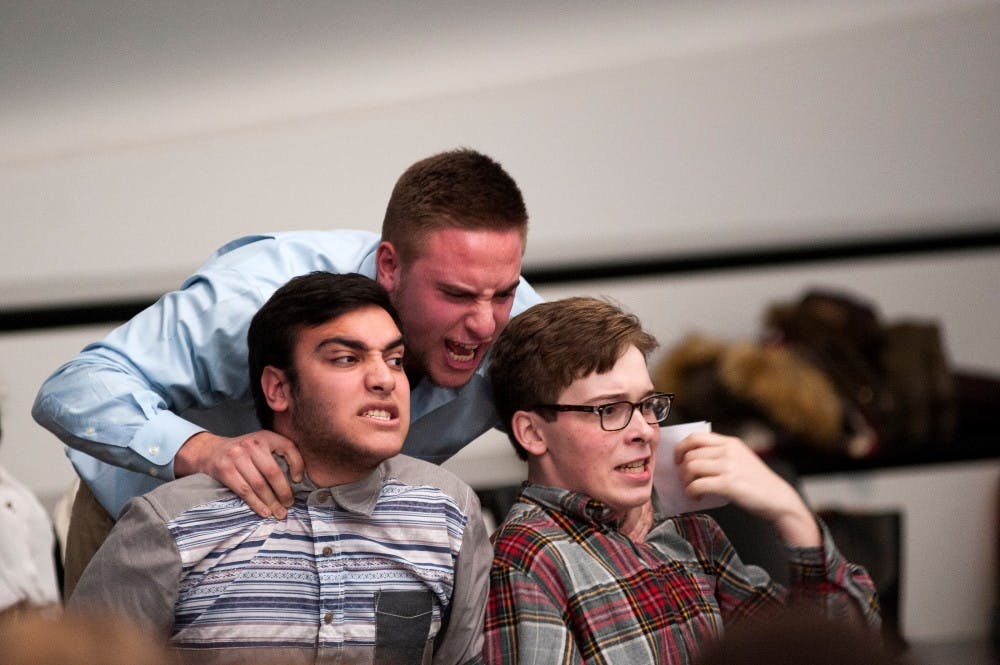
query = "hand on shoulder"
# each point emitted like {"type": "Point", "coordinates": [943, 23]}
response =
{"type": "Point", "coordinates": [246, 465]}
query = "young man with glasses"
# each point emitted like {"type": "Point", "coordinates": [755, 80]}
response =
{"type": "Point", "coordinates": [566, 585]}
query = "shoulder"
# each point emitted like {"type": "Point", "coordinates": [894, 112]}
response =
{"type": "Point", "coordinates": [415, 472]}
{"type": "Point", "coordinates": [294, 252]}
{"type": "Point", "coordinates": [527, 535]}
{"type": "Point", "coordinates": [524, 298]}
{"type": "Point", "coordinates": [170, 500]}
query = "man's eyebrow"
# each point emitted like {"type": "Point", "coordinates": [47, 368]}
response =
{"type": "Point", "coordinates": [356, 344]}
{"type": "Point", "coordinates": [618, 397]}
{"type": "Point", "coordinates": [457, 288]}
{"type": "Point", "coordinates": [511, 287]}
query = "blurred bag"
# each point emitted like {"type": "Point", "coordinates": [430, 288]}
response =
{"type": "Point", "coordinates": [895, 376]}
{"type": "Point", "coordinates": [763, 393]}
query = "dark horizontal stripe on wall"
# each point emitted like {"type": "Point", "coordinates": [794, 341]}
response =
{"type": "Point", "coordinates": [969, 239]}
{"type": "Point", "coordinates": [984, 237]}
{"type": "Point", "coordinates": [62, 316]}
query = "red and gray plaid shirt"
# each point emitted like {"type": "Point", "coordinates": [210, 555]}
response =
{"type": "Point", "coordinates": [567, 587]}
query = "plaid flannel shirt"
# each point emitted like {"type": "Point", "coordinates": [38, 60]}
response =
{"type": "Point", "coordinates": [567, 587]}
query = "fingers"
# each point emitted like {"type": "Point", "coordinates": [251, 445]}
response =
{"type": "Point", "coordinates": [725, 466]}
{"type": "Point", "coordinates": [247, 467]}
{"type": "Point", "coordinates": [247, 482]}
{"type": "Point", "coordinates": [290, 453]}
{"type": "Point", "coordinates": [700, 441]}
{"type": "Point", "coordinates": [693, 469]}
{"type": "Point", "coordinates": [260, 488]}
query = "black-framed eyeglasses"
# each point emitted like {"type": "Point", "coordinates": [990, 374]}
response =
{"type": "Point", "coordinates": [617, 415]}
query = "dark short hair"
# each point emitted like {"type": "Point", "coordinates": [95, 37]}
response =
{"type": "Point", "coordinates": [303, 302]}
{"type": "Point", "coordinates": [461, 189]}
{"type": "Point", "coordinates": [549, 346]}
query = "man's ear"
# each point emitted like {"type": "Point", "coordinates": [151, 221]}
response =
{"type": "Point", "coordinates": [526, 426]}
{"type": "Point", "coordinates": [277, 390]}
{"type": "Point", "coordinates": [387, 265]}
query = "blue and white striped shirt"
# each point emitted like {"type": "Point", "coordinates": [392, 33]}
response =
{"type": "Point", "coordinates": [398, 560]}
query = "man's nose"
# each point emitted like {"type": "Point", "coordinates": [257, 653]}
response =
{"type": "Point", "coordinates": [640, 430]}
{"type": "Point", "coordinates": [481, 321]}
{"type": "Point", "coordinates": [380, 377]}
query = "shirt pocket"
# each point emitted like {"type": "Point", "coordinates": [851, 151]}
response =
{"type": "Point", "coordinates": [402, 626]}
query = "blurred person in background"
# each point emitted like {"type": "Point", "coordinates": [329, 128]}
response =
{"type": "Point", "coordinates": [28, 554]}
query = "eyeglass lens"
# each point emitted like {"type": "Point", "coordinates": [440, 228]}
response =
{"type": "Point", "coordinates": [617, 415]}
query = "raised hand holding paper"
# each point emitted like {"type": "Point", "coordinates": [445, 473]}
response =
{"type": "Point", "coordinates": [666, 480]}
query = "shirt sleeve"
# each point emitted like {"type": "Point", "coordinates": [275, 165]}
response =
{"type": "Point", "coordinates": [135, 573]}
{"type": "Point", "coordinates": [525, 621]}
{"type": "Point", "coordinates": [818, 575]}
{"type": "Point", "coordinates": [822, 575]}
{"type": "Point", "coordinates": [118, 399]}
{"type": "Point", "coordinates": [462, 639]}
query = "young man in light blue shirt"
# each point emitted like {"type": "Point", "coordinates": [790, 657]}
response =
{"type": "Point", "coordinates": [166, 394]}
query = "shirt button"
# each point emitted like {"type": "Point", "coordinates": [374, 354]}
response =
{"type": "Point", "coordinates": [153, 472]}
{"type": "Point", "coordinates": [327, 551]}
{"type": "Point", "coordinates": [328, 618]}
{"type": "Point", "coordinates": [154, 450]}
{"type": "Point", "coordinates": [322, 497]}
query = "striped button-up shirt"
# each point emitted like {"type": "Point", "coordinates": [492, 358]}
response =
{"type": "Point", "coordinates": [390, 569]}
{"type": "Point", "coordinates": [567, 587]}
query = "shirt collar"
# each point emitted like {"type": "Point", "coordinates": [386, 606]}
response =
{"type": "Point", "coordinates": [574, 504]}
{"type": "Point", "coordinates": [358, 497]}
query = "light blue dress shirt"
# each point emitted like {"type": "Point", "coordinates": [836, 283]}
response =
{"type": "Point", "coordinates": [126, 404]}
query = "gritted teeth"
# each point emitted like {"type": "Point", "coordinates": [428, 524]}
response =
{"type": "Point", "coordinates": [378, 414]}
{"type": "Point", "coordinates": [633, 467]}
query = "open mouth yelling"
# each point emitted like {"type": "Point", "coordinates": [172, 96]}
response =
{"type": "Point", "coordinates": [461, 353]}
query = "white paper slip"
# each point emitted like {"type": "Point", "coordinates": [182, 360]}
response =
{"type": "Point", "coordinates": [667, 480]}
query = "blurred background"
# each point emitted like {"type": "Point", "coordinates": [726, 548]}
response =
{"type": "Point", "coordinates": [660, 146]}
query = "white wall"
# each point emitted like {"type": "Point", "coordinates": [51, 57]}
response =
{"type": "Point", "coordinates": [132, 148]}
{"type": "Point", "coordinates": [858, 130]}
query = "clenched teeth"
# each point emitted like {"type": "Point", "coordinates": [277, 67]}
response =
{"type": "Point", "coordinates": [378, 414]}
{"type": "Point", "coordinates": [634, 467]}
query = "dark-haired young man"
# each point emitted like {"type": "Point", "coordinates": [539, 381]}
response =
{"type": "Point", "coordinates": [380, 558]}
{"type": "Point", "coordinates": [166, 394]}
{"type": "Point", "coordinates": [571, 383]}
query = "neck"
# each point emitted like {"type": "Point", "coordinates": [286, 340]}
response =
{"type": "Point", "coordinates": [323, 463]}
{"type": "Point", "coordinates": [324, 474]}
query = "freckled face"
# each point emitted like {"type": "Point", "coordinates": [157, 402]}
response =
{"type": "Point", "coordinates": [613, 467]}
{"type": "Point", "coordinates": [454, 298]}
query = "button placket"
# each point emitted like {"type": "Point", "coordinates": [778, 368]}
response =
{"type": "Point", "coordinates": [329, 575]}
